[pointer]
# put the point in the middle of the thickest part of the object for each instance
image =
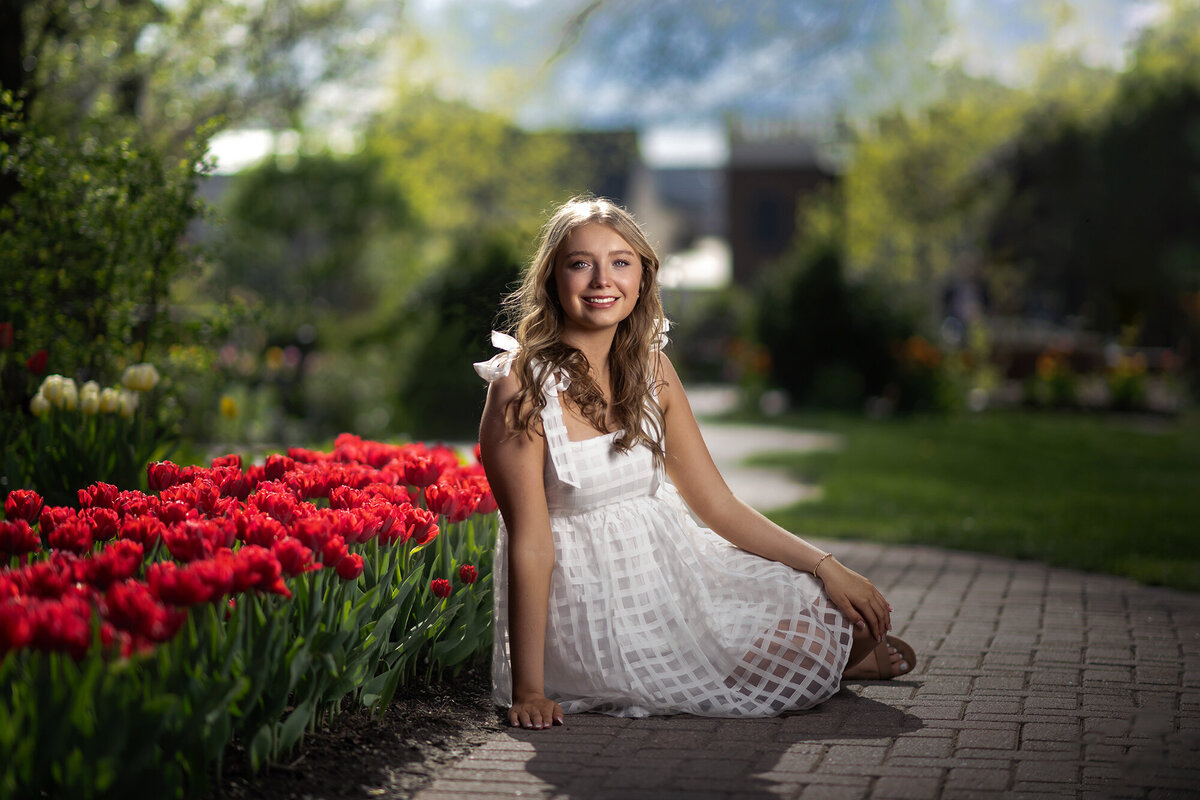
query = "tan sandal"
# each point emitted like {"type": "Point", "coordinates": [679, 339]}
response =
{"type": "Point", "coordinates": [883, 661]}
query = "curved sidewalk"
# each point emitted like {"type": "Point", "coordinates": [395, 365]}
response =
{"type": "Point", "coordinates": [1031, 682]}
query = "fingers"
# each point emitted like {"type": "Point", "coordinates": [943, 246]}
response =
{"type": "Point", "coordinates": [535, 716]}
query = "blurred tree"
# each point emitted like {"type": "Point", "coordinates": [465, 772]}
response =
{"type": "Point", "coordinates": [464, 170]}
{"type": "Point", "coordinates": [830, 336]}
{"type": "Point", "coordinates": [1101, 217]}
{"type": "Point", "coordinates": [173, 65]}
{"type": "Point", "coordinates": [447, 321]}
{"type": "Point", "coordinates": [913, 201]}
{"type": "Point", "coordinates": [298, 236]}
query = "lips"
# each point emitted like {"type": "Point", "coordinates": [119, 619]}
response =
{"type": "Point", "coordinates": [599, 302]}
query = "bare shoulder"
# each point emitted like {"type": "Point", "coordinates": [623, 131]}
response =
{"type": "Point", "coordinates": [494, 427]}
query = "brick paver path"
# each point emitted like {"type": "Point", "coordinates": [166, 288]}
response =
{"type": "Point", "coordinates": [1032, 682]}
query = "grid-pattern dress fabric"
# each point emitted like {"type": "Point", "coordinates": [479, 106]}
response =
{"type": "Point", "coordinates": [649, 612]}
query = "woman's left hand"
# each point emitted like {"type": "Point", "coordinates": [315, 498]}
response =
{"type": "Point", "coordinates": [856, 597]}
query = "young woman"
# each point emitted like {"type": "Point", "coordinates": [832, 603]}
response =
{"type": "Point", "coordinates": [609, 596]}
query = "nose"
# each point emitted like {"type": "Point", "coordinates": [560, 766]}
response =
{"type": "Point", "coordinates": [600, 275]}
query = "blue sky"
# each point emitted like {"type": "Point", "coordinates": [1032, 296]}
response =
{"type": "Point", "coordinates": [641, 62]}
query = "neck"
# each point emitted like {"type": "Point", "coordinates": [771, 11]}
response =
{"type": "Point", "coordinates": [595, 345]}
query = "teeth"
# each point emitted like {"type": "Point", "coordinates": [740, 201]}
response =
{"type": "Point", "coordinates": [600, 301]}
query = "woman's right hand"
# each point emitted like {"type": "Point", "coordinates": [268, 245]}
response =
{"type": "Point", "coordinates": [535, 713]}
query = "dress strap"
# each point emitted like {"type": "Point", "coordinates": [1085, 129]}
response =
{"type": "Point", "coordinates": [555, 428]}
{"type": "Point", "coordinates": [553, 425]}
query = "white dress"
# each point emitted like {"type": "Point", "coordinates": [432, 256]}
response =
{"type": "Point", "coordinates": [649, 612]}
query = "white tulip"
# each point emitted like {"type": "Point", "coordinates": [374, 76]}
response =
{"type": "Point", "coordinates": [70, 395]}
{"type": "Point", "coordinates": [39, 405]}
{"type": "Point", "coordinates": [110, 400]}
{"type": "Point", "coordinates": [140, 377]}
{"type": "Point", "coordinates": [128, 403]}
{"type": "Point", "coordinates": [51, 389]}
{"type": "Point", "coordinates": [89, 398]}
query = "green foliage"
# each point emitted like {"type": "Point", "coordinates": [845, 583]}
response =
{"type": "Point", "coordinates": [1100, 217]}
{"type": "Point", "coordinates": [168, 67]}
{"type": "Point", "coordinates": [89, 246]}
{"type": "Point", "coordinates": [465, 170]}
{"type": "Point", "coordinates": [1077, 491]}
{"type": "Point", "coordinates": [830, 339]}
{"type": "Point", "coordinates": [448, 320]}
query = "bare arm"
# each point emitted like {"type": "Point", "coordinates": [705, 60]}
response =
{"type": "Point", "coordinates": [514, 466]}
{"type": "Point", "coordinates": [691, 469]}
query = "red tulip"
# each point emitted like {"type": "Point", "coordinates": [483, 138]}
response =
{"type": "Point", "coordinates": [63, 625]}
{"type": "Point", "coordinates": [17, 538]}
{"type": "Point", "coordinates": [294, 557]}
{"type": "Point", "coordinates": [99, 495]}
{"type": "Point", "coordinates": [132, 607]}
{"type": "Point", "coordinates": [467, 573]}
{"type": "Point", "coordinates": [23, 504]}
{"type": "Point", "coordinates": [277, 466]}
{"type": "Point", "coordinates": [37, 362]}
{"type": "Point", "coordinates": [49, 578]}
{"type": "Point", "coordinates": [162, 475]}
{"type": "Point", "coordinates": [440, 587]}
{"type": "Point", "coordinates": [344, 497]}
{"type": "Point", "coordinates": [104, 522]}
{"type": "Point", "coordinates": [259, 529]}
{"type": "Point", "coordinates": [145, 530]}
{"type": "Point", "coordinates": [421, 471]}
{"type": "Point", "coordinates": [256, 568]}
{"type": "Point", "coordinates": [16, 625]}
{"type": "Point", "coordinates": [350, 567]}
{"type": "Point", "coordinates": [117, 562]}
{"type": "Point", "coordinates": [53, 516]}
{"type": "Point", "coordinates": [231, 460]}
{"type": "Point", "coordinates": [187, 542]}
{"type": "Point", "coordinates": [333, 550]}
{"type": "Point", "coordinates": [74, 535]}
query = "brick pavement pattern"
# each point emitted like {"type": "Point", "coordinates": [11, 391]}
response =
{"type": "Point", "coordinates": [1032, 682]}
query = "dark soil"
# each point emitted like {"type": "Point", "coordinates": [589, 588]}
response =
{"type": "Point", "coordinates": [360, 756]}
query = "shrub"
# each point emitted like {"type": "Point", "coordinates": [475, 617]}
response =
{"type": "Point", "coordinates": [830, 340]}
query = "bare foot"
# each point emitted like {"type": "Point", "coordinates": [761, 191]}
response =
{"type": "Point", "coordinates": [868, 668]}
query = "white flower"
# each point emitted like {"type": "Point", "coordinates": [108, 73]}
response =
{"type": "Point", "coordinates": [128, 403]}
{"type": "Point", "coordinates": [89, 398]}
{"type": "Point", "coordinates": [140, 377]}
{"type": "Point", "coordinates": [51, 389]}
{"type": "Point", "coordinates": [39, 405]}
{"type": "Point", "coordinates": [70, 395]}
{"type": "Point", "coordinates": [110, 400]}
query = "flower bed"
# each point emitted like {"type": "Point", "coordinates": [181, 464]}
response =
{"type": "Point", "coordinates": [142, 632]}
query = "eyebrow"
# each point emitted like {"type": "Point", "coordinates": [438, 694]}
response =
{"type": "Point", "coordinates": [574, 253]}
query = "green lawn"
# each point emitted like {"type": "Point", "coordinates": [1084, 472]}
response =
{"type": "Point", "coordinates": [1094, 493]}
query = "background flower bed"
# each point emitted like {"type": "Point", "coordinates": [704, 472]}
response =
{"type": "Point", "coordinates": [232, 603]}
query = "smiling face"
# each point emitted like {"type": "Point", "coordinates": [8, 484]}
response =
{"type": "Point", "coordinates": [598, 275]}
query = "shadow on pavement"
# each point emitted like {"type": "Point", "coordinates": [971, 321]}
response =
{"type": "Point", "coordinates": [602, 758]}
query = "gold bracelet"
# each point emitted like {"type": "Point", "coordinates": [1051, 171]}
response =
{"type": "Point", "coordinates": [819, 562]}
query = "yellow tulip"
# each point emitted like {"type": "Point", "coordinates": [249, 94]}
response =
{"type": "Point", "coordinates": [229, 406]}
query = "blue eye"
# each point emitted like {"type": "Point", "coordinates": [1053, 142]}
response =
{"type": "Point", "coordinates": [620, 262]}
{"type": "Point", "coordinates": [579, 265]}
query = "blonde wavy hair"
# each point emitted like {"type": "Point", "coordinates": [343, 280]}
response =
{"type": "Point", "coordinates": [538, 315]}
